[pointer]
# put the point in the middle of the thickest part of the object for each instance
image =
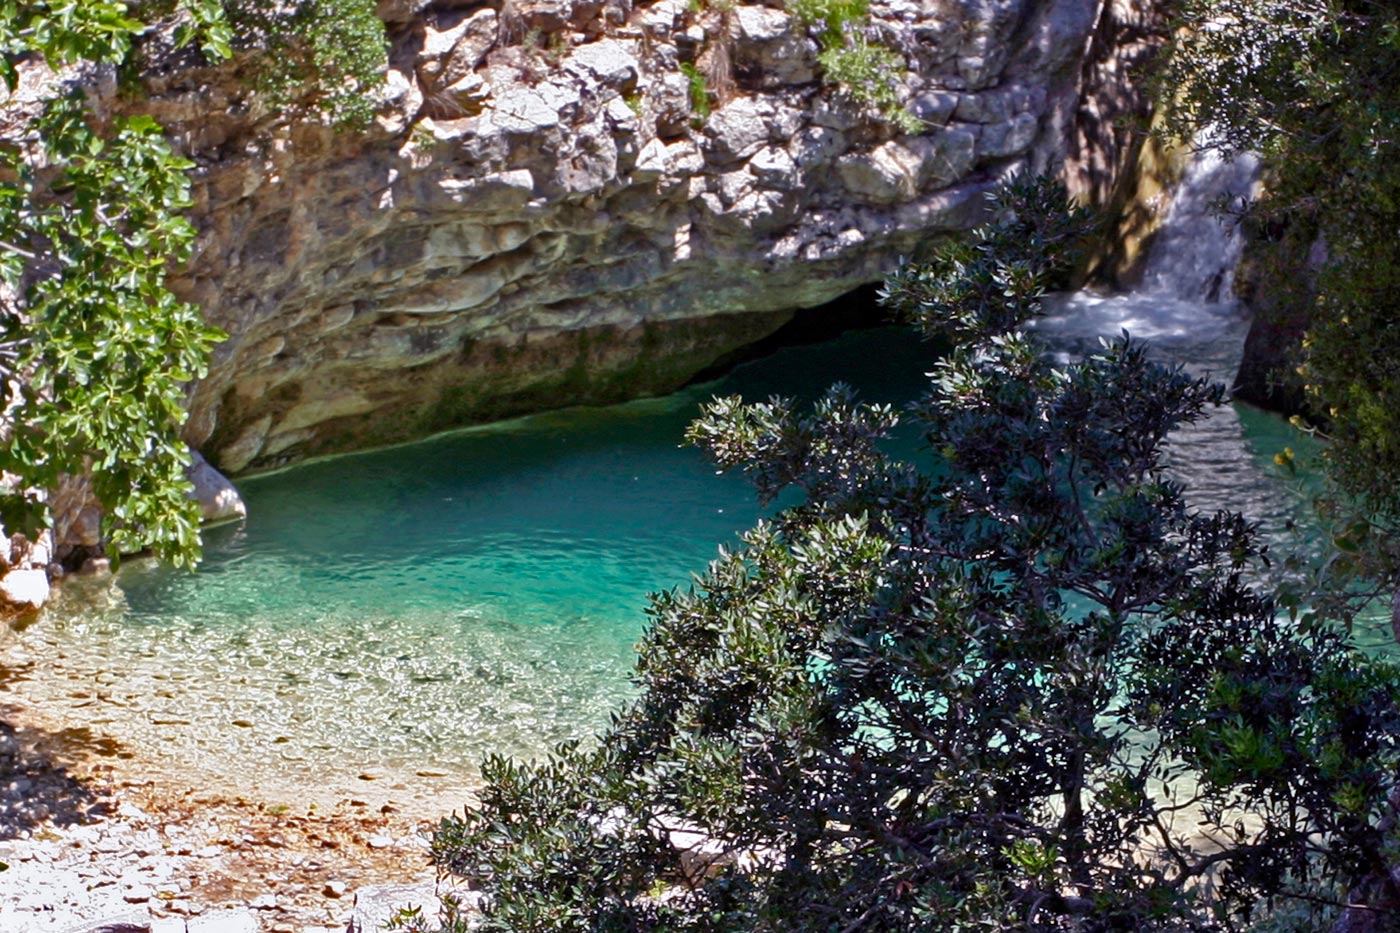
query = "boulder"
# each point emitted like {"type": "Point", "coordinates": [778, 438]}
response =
{"type": "Point", "coordinates": [25, 588]}
{"type": "Point", "coordinates": [770, 44]}
{"type": "Point", "coordinates": [369, 301]}
{"type": "Point", "coordinates": [218, 499]}
{"type": "Point", "coordinates": [606, 62]}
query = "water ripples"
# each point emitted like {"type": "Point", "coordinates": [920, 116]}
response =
{"type": "Point", "coordinates": [422, 606]}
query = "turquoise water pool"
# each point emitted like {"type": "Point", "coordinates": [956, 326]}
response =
{"type": "Point", "coordinates": [418, 607]}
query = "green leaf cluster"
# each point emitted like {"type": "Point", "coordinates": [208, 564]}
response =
{"type": "Point", "coordinates": [95, 351]}
{"type": "Point", "coordinates": [323, 57]}
{"type": "Point", "coordinates": [867, 70]}
{"type": "Point", "coordinates": [699, 91]}
{"type": "Point", "coordinates": [99, 353]}
{"type": "Point", "coordinates": [1014, 684]}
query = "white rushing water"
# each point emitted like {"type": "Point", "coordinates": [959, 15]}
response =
{"type": "Point", "coordinates": [1198, 247]}
{"type": "Point", "coordinates": [1185, 309]}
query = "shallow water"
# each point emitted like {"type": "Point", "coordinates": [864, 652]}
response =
{"type": "Point", "coordinates": [418, 607]}
{"type": "Point", "coordinates": [1227, 459]}
{"type": "Point", "coordinates": [424, 605]}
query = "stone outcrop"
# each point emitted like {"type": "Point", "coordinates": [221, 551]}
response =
{"type": "Point", "coordinates": [218, 500]}
{"type": "Point", "coordinates": [1275, 264]}
{"type": "Point", "coordinates": [1112, 161]}
{"type": "Point", "coordinates": [540, 216]}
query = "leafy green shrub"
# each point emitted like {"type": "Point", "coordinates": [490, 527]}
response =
{"type": "Point", "coordinates": [318, 56]}
{"type": "Point", "coordinates": [869, 72]}
{"type": "Point", "coordinates": [94, 349]}
{"type": "Point", "coordinates": [831, 16]}
{"type": "Point", "coordinates": [699, 92]}
{"type": "Point", "coordinates": [104, 348]}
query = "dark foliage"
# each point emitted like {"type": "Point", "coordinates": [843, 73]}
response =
{"type": "Point", "coordinates": [1021, 686]}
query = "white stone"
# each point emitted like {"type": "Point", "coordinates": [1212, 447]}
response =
{"type": "Point", "coordinates": [651, 161]}
{"type": "Point", "coordinates": [701, 854]}
{"type": "Point", "coordinates": [218, 498]}
{"type": "Point", "coordinates": [945, 157]}
{"type": "Point", "coordinates": [934, 107]}
{"type": "Point", "coordinates": [623, 117]}
{"type": "Point", "coordinates": [375, 905]}
{"type": "Point", "coordinates": [40, 550]}
{"type": "Point", "coordinates": [522, 110]}
{"type": "Point", "coordinates": [437, 43]}
{"type": "Point", "coordinates": [769, 44]}
{"type": "Point", "coordinates": [235, 456]}
{"type": "Point", "coordinates": [775, 168]}
{"type": "Point", "coordinates": [738, 129]}
{"type": "Point", "coordinates": [684, 158]}
{"type": "Point", "coordinates": [25, 588]}
{"type": "Point", "coordinates": [884, 176]}
{"type": "Point", "coordinates": [661, 18]}
{"type": "Point", "coordinates": [476, 35]}
{"type": "Point", "coordinates": [608, 62]}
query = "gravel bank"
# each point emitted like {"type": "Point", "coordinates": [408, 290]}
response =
{"type": "Point", "coordinates": [95, 836]}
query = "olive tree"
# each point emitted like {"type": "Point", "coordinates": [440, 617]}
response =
{"type": "Point", "coordinates": [1015, 684]}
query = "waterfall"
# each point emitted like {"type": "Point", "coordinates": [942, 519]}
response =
{"type": "Point", "coordinates": [1194, 255]}
{"type": "Point", "coordinates": [1185, 303]}
{"type": "Point", "coordinates": [1186, 311]}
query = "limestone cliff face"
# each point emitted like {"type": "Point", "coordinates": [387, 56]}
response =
{"type": "Point", "coordinates": [541, 218]}
{"type": "Point", "coordinates": [1112, 161]}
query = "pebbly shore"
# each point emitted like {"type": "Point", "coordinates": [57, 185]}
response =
{"type": "Point", "coordinates": [93, 843]}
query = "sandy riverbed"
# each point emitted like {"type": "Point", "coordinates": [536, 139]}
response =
{"type": "Point", "coordinates": [96, 824]}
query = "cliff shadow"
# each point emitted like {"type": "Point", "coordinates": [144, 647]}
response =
{"type": "Point", "coordinates": [40, 779]}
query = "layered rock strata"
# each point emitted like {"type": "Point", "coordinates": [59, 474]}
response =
{"type": "Point", "coordinates": [542, 216]}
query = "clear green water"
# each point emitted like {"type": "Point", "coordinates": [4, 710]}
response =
{"type": "Point", "coordinates": [479, 592]}
{"type": "Point", "coordinates": [425, 604]}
